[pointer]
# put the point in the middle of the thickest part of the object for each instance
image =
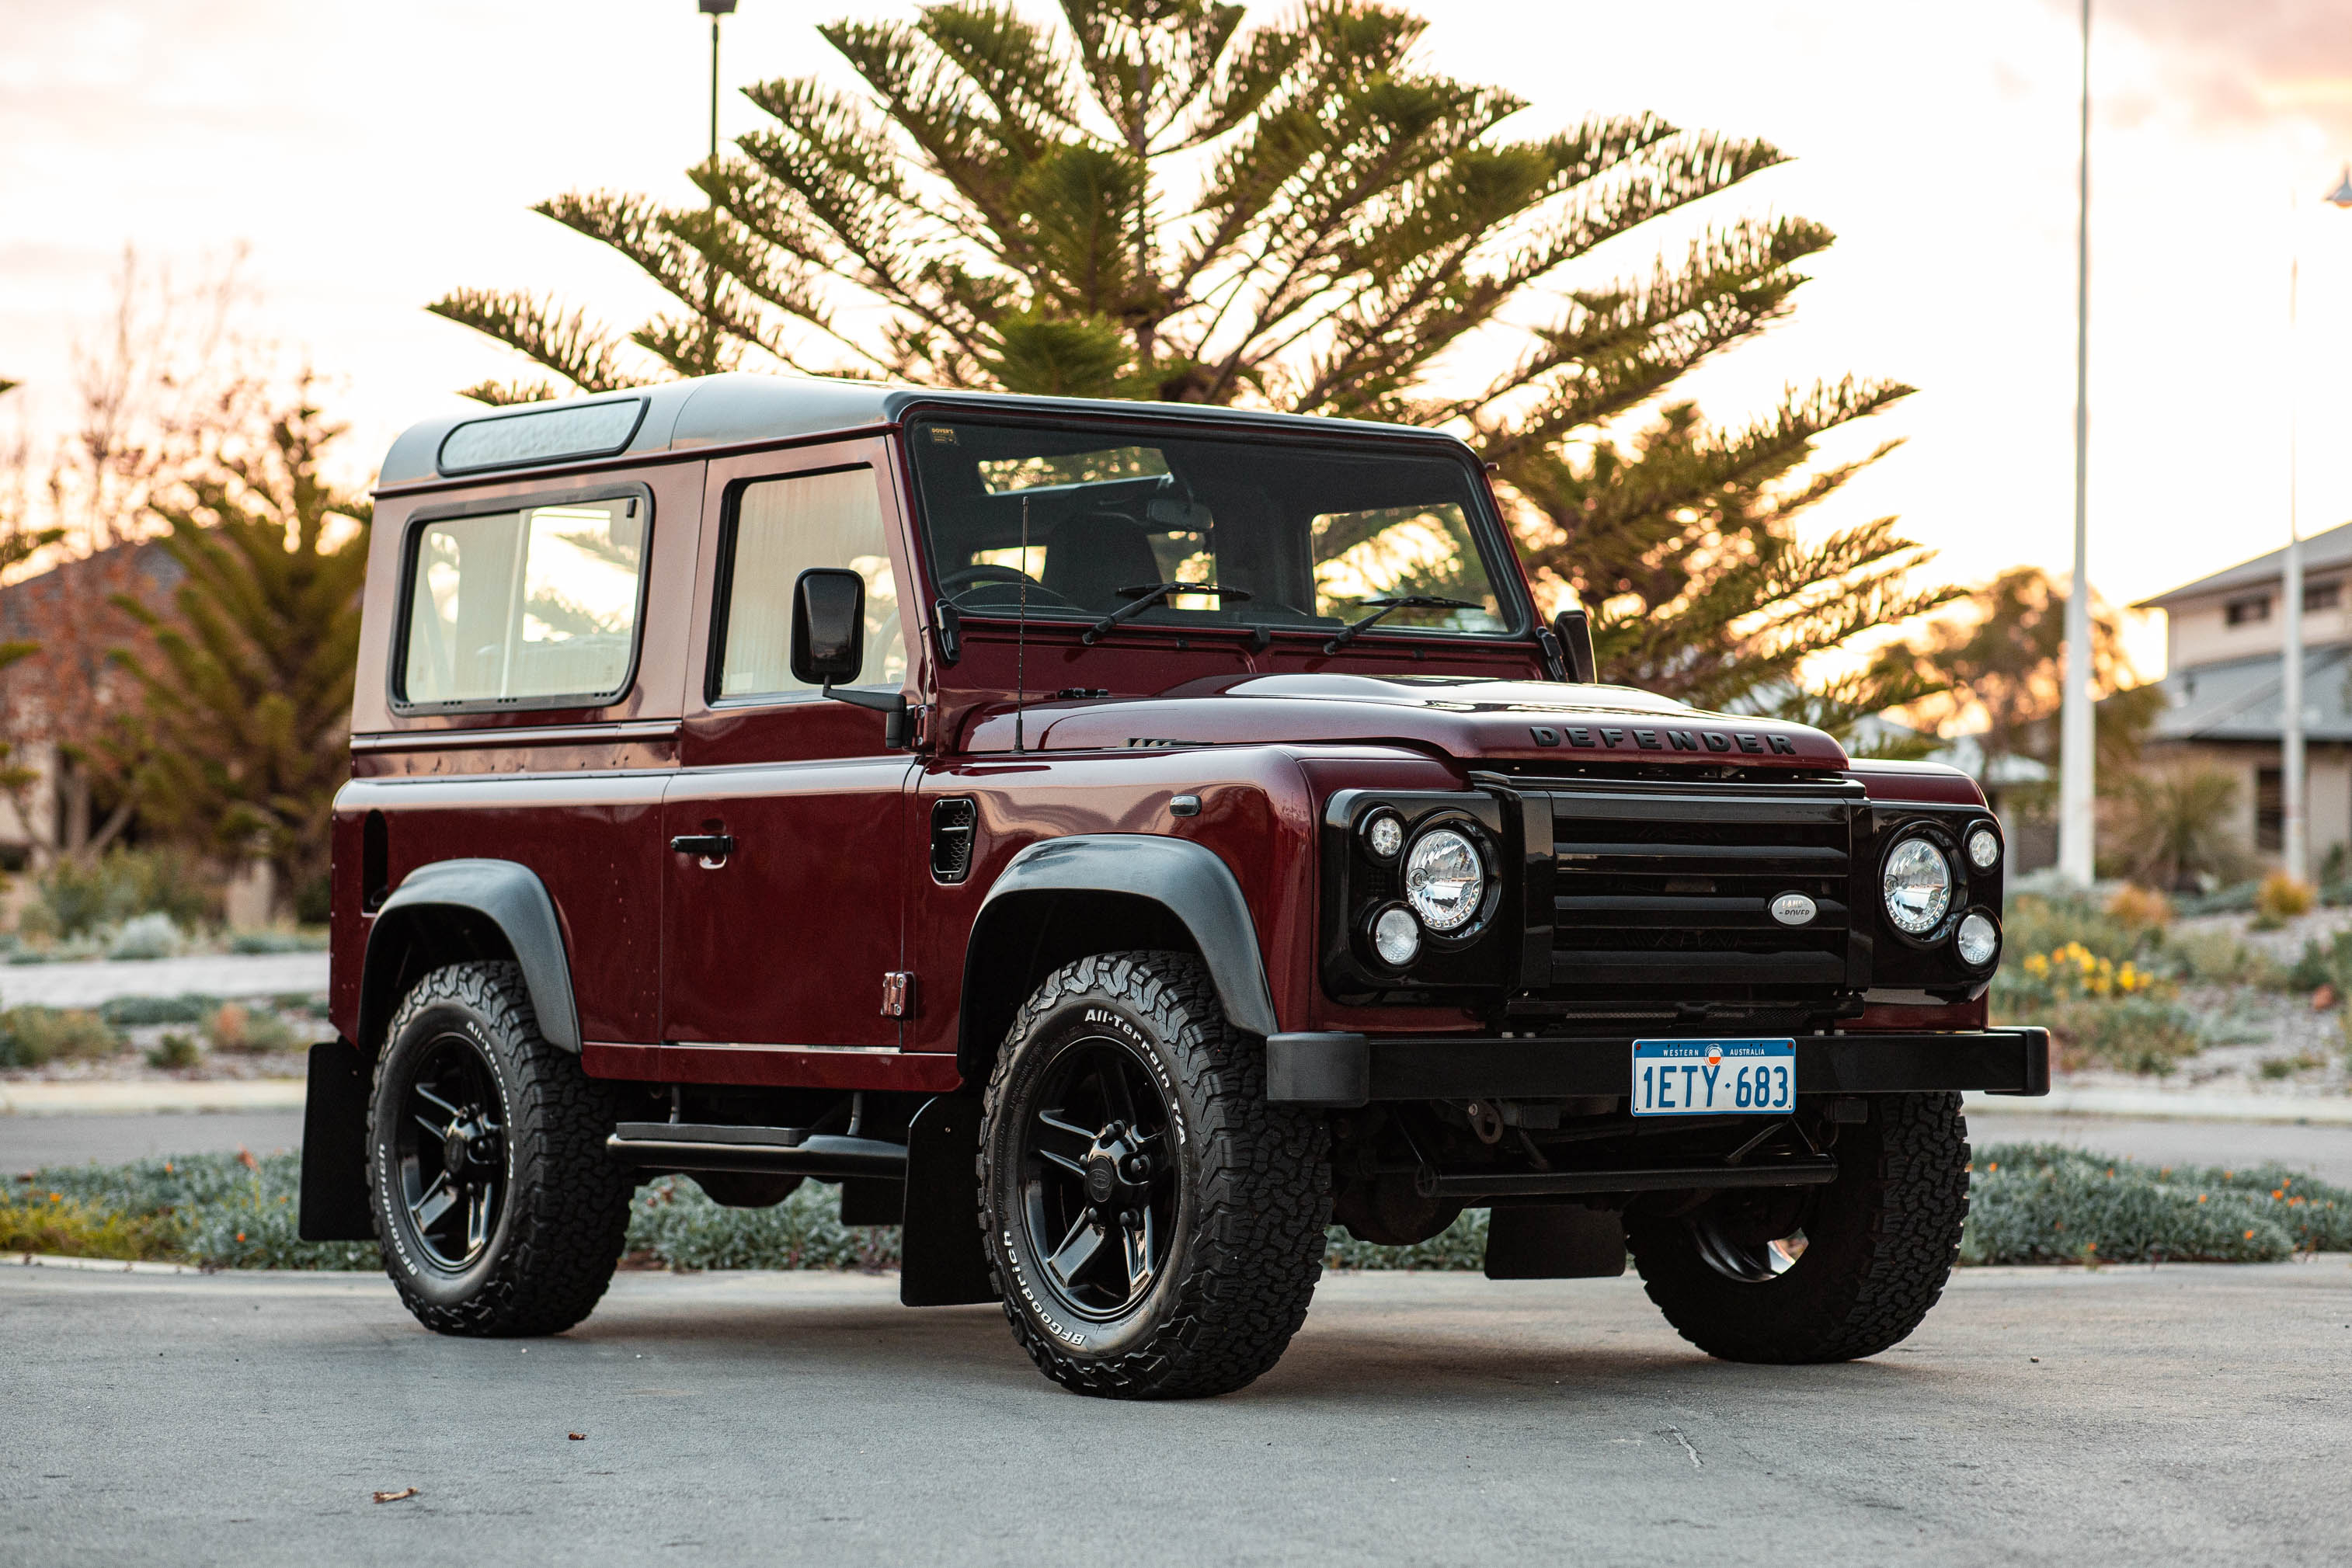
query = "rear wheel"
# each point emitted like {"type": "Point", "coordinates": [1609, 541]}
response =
{"type": "Point", "coordinates": [1827, 1273]}
{"type": "Point", "coordinates": [498, 1209]}
{"type": "Point", "coordinates": [1154, 1226]}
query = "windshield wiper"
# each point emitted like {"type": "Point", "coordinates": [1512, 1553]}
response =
{"type": "Point", "coordinates": [1387, 606]}
{"type": "Point", "coordinates": [1149, 595]}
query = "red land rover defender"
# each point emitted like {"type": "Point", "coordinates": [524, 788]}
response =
{"type": "Point", "coordinates": [1113, 842]}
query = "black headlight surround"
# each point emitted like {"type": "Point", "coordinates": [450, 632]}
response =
{"type": "Point", "coordinates": [1482, 844]}
{"type": "Point", "coordinates": [1990, 824]}
{"type": "Point", "coordinates": [1357, 885]}
{"type": "Point", "coordinates": [1955, 860]}
{"type": "Point", "coordinates": [2000, 939]}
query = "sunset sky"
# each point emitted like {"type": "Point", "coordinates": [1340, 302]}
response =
{"type": "Point", "coordinates": [374, 157]}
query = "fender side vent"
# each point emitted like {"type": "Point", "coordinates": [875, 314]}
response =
{"type": "Point", "coordinates": [952, 821]}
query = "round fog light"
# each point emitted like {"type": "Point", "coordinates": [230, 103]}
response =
{"type": "Point", "coordinates": [1984, 849]}
{"type": "Point", "coordinates": [1977, 941]}
{"type": "Point", "coordinates": [1384, 835]}
{"type": "Point", "coordinates": [1396, 938]}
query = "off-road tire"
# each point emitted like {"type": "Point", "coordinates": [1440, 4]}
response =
{"type": "Point", "coordinates": [566, 1209]}
{"type": "Point", "coordinates": [1879, 1241]}
{"type": "Point", "coordinates": [1253, 1192]}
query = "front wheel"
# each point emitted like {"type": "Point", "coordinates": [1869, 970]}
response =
{"type": "Point", "coordinates": [1829, 1273]}
{"type": "Point", "coordinates": [1154, 1226]}
{"type": "Point", "coordinates": [498, 1209]}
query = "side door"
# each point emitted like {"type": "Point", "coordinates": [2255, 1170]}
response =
{"type": "Point", "coordinates": [782, 925]}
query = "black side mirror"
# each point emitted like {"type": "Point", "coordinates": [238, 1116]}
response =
{"type": "Point", "coordinates": [829, 644]}
{"type": "Point", "coordinates": [1574, 630]}
{"type": "Point", "coordinates": [828, 625]}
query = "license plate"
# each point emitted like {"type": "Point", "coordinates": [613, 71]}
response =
{"type": "Point", "coordinates": [1713, 1077]}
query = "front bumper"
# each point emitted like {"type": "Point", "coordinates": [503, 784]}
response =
{"type": "Point", "coordinates": [1348, 1069]}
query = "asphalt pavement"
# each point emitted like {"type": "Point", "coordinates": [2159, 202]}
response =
{"type": "Point", "coordinates": [2195, 1415]}
{"type": "Point", "coordinates": [26, 1142]}
{"type": "Point", "coordinates": [2323, 1151]}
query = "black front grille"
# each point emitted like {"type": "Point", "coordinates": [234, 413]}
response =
{"type": "Point", "coordinates": [1663, 893]}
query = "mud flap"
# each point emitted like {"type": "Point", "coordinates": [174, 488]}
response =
{"type": "Point", "coordinates": [942, 1263]}
{"type": "Point", "coordinates": [1554, 1241]}
{"type": "Point", "coordinates": [334, 1204]}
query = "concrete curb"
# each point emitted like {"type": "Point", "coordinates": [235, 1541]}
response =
{"type": "Point", "coordinates": [100, 1098]}
{"type": "Point", "coordinates": [95, 1265]}
{"type": "Point", "coordinates": [2171, 1105]}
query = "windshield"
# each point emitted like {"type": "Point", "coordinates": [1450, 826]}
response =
{"type": "Point", "coordinates": [1302, 535]}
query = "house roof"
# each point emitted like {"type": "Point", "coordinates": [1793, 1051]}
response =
{"type": "Point", "coordinates": [2238, 699]}
{"type": "Point", "coordinates": [739, 408]}
{"type": "Point", "coordinates": [2321, 552]}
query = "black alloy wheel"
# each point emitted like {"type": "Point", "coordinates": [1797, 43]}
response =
{"type": "Point", "coordinates": [1096, 1193]}
{"type": "Point", "coordinates": [1154, 1226]}
{"type": "Point", "coordinates": [498, 1206]}
{"type": "Point", "coordinates": [451, 1149]}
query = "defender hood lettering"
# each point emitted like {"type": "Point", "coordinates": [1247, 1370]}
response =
{"type": "Point", "coordinates": [1464, 718]}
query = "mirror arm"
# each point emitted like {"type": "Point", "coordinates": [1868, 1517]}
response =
{"type": "Point", "coordinates": [893, 705]}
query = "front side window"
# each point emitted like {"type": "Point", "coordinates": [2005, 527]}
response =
{"type": "Point", "coordinates": [1072, 523]}
{"type": "Point", "coordinates": [782, 528]}
{"type": "Point", "coordinates": [528, 605]}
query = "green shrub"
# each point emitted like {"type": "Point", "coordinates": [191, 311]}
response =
{"type": "Point", "coordinates": [278, 942]}
{"type": "Point", "coordinates": [672, 1223]}
{"type": "Point", "coordinates": [1462, 1245]}
{"type": "Point", "coordinates": [75, 900]}
{"type": "Point", "coordinates": [2218, 958]}
{"type": "Point", "coordinates": [2042, 923]}
{"type": "Point", "coordinates": [46, 1221]}
{"type": "Point", "coordinates": [151, 936]}
{"type": "Point", "coordinates": [2101, 1011]}
{"type": "Point", "coordinates": [35, 1036]}
{"type": "Point", "coordinates": [174, 1050]}
{"type": "Point", "coordinates": [133, 1011]}
{"type": "Point", "coordinates": [234, 1027]}
{"type": "Point", "coordinates": [2039, 1203]}
{"type": "Point", "coordinates": [2236, 899]}
{"type": "Point", "coordinates": [223, 1211]}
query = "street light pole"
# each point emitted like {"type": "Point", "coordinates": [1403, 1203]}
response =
{"type": "Point", "coordinates": [2295, 840]}
{"type": "Point", "coordinates": [2077, 743]}
{"type": "Point", "coordinates": [2294, 786]}
{"type": "Point", "coordinates": [715, 9]}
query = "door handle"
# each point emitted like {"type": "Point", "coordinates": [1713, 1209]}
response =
{"type": "Point", "coordinates": [711, 848]}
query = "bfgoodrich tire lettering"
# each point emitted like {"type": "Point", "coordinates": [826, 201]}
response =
{"type": "Point", "coordinates": [1211, 1203]}
{"type": "Point", "coordinates": [1879, 1242]}
{"type": "Point", "coordinates": [552, 1205]}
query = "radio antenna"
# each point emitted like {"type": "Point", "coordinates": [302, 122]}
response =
{"type": "Point", "coordinates": [1021, 633]}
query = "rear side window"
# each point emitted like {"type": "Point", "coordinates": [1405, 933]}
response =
{"type": "Point", "coordinates": [526, 606]}
{"type": "Point", "coordinates": [782, 528]}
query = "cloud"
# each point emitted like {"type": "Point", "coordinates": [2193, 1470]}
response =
{"type": "Point", "coordinates": [2250, 61]}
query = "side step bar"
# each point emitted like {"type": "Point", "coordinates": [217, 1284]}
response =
{"type": "Point", "coordinates": [1661, 1179]}
{"type": "Point", "coordinates": [791, 1151]}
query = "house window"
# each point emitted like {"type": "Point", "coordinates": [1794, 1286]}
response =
{"type": "Point", "coordinates": [2247, 612]}
{"type": "Point", "coordinates": [2322, 596]}
{"type": "Point", "coordinates": [2270, 811]}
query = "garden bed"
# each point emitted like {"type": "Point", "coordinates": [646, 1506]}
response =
{"type": "Point", "coordinates": [2029, 1204]}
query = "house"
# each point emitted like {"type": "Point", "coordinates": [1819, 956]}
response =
{"type": "Point", "coordinates": [67, 602]}
{"type": "Point", "coordinates": [2224, 638]}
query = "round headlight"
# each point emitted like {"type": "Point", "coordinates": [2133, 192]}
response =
{"type": "Point", "coordinates": [1384, 835]}
{"type": "Point", "coordinates": [1444, 880]}
{"type": "Point", "coordinates": [1396, 936]}
{"type": "Point", "coordinates": [1984, 848]}
{"type": "Point", "coordinates": [1977, 941]}
{"type": "Point", "coordinates": [1917, 886]}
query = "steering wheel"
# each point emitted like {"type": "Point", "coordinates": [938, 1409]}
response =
{"type": "Point", "coordinates": [955, 584]}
